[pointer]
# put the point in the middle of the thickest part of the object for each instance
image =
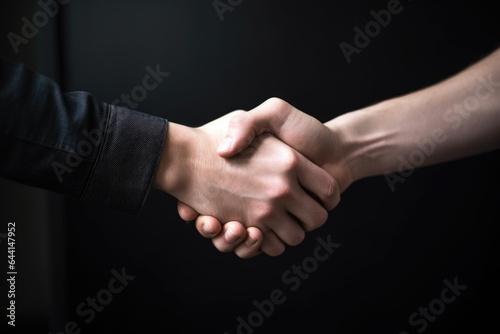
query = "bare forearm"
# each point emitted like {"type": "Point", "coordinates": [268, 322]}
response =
{"type": "Point", "coordinates": [456, 118]}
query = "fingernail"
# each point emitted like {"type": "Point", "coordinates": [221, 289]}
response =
{"type": "Point", "coordinates": [250, 241]}
{"type": "Point", "coordinates": [207, 229]}
{"type": "Point", "coordinates": [225, 145]}
{"type": "Point", "coordinates": [230, 236]}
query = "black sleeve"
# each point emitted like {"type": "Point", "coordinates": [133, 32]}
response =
{"type": "Point", "coordinates": [74, 145]}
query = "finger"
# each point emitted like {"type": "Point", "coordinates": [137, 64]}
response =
{"type": "Point", "coordinates": [250, 247]}
{"type": "Point", "coordinates": [319, 183]}
{"type": "Point", "coordinates": [290, 125]}
{"type": "Point", "coordinates": [208, 226]}
{"type": "Point", "coordinates": [243, 128]}
{"type": "Point", "coordinates": [295, 128]}
{"type": "Point", "coordinates": [240, 133]}
{"type": "Point", "coordinates": [272, 245]}
{"type": "Point", "coordinates": [186, 212]}
{"type": "Point", "coordinates": [288, 229]}
{"type": "Point", "coordinates": [233, 234]}
{"type": "Point", "coordinates": [307, 211]}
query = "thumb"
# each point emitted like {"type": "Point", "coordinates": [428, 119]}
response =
{"type": "Point", "coordinates": [240, 133]}
{"type": "Point", "coordinates": [244, 127]}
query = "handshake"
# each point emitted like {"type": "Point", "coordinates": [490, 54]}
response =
{"type": "Point", "coordinates": [274, 170]}
{"type": "Point", "coordinates": [256, 181]}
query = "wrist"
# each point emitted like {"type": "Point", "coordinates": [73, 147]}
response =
{"type": "Point", "coordinates": [172, 172]}
{"type": "Point", "coordinates": [342, 158]}
{"type": "Point", "coordinates": [365, 139]}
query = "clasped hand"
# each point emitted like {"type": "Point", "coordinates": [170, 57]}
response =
{"type": "Point", "coordinates": [258, 191]}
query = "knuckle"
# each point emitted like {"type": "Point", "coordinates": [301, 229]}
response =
{"type": "Point", "coordinates": [277, 104]}
{"type": "Point", "coordinates": [331, 193]}
{"type": "Point", "coordinates": [239, 111]}
{"type": "Point", "coordinates": [237, 118]}
{"type": "Point", "coordinates": [264, 213]}
{"type": "Point", "coordinates": [280, 190]}
{"type": "Point", "coordinates": [289, 160]}
{"type": "Point", "coordinates": [279, 109]}
{"type": "Point", "coordinates": [330, 187]}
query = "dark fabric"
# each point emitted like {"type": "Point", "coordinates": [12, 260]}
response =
{"type": "Point", "coordinates": [74, 145]}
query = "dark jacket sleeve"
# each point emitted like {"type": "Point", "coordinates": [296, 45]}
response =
{"type": "Point", "coordinates": [74, 145]}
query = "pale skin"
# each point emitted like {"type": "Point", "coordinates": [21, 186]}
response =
{"type": "Point", "coordinates": [455, 118]}
{"type": "Point", "coordinates": [267, 185]}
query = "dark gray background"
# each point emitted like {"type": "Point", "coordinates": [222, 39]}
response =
{"type": "Point", "coordinates": [397, 248]}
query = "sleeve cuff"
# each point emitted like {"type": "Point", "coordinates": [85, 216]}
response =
{"type": "Point", "coordinates": [128, 159]}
